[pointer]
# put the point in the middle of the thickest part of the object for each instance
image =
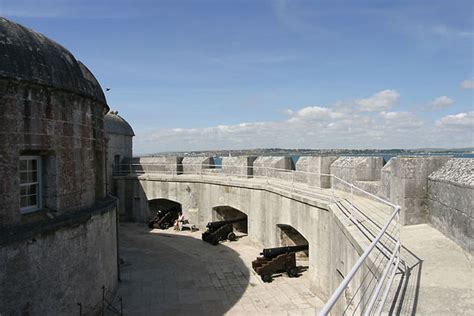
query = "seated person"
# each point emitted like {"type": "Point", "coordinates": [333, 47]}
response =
{"type": "Point", "coordinates": [178, 224]}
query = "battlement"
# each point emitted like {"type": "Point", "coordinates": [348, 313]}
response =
{"type": "Point", "coordinates": [414, 183]}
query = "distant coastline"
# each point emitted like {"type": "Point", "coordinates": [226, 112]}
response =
{"type": "Point", "coordinates": [296, 153]}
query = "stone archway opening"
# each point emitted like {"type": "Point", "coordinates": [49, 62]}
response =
{"type": "Point", "coordinates": [163, 205]}
{"type": "Point", "coordinates": [289, 236]}
{"type": "Point", "coordinates": [162, 213]}
{"type": "Point", "coordinates": [227, 213]}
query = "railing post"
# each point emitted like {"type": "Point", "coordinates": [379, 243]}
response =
{"type": "Point", "coordinates": [293, 180]}
{"type": "Point", "coordinates": [352, 217]}
{"type": "Point", "coordinates": [331, 179]}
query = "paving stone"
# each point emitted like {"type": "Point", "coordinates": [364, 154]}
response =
{"type": "Point", "coordinates": [181, 275]}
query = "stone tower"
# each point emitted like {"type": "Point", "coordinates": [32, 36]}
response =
{"type": "Point", "coordinates": [58, 226]}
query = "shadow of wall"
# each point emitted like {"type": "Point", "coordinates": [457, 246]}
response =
{"type": "Point", "coordinates": [169, 274]}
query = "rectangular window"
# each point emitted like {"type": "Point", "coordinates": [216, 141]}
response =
{"type": "Point", "coordinates": [30, 183]}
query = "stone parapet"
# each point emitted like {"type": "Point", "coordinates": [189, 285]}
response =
{"type": "Point", "coordinates": [162, 164]}
{"type": "Point", "coordinates": [311, 170]}
{"type": "Point", "coordinates": [353, 169]}
{"type": "Point", "coordinates": [451, 201]}
{"type": "Point", "coordinates": [266, 166]}
{"type": "Point", "coordinates": [241, 165]}
{"type": "Point", "coordinates": [197, 164]}
{"type": "Point", "coordinates": [408, 185]}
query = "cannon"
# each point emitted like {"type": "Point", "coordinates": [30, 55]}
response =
{"type": "Point", "coordinates": [275, 260]}
{"type": "Point", "coordinates": [221, 230]}
{"type": "Point", "coordinates": [164, 219]}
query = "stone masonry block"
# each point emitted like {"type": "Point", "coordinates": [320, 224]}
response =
{"type": "Point", "coordinates": [240, 165]}
{"type": "Point", "coordinates": [197, 164]}
{"type": "Point", "coordinates": [312, 170]}
{"type": "Point", "coordinates": [267, 166]}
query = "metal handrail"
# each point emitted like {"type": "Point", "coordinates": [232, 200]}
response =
{"type": "Point", "coordinates": [394, 259]}
{"type": "Point", "coordinates": [338, 292]}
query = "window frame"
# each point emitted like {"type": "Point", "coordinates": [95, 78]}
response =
{"type": "Point", "coordinates": [38, 183]}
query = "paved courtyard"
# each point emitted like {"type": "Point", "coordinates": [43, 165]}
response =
{"type": "Point", "coordinates": [175, 273]}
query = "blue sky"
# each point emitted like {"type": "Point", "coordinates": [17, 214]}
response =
{"type": "Point", "coordinates": [194, 75]}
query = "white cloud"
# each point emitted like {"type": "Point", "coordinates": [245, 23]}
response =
{"type": "Point", "coordinates": [380, 101]}
{"type": "Point", "coordinates": [314, 113]}
{"type": "Point", "coordinates": [467, 84]}
{"type": "Point", "coordinates": [440, 103]}
{"type": "Point", "coordinates": [400, 119]}
{"type": "Point", "coordinates": [458, 121]}
{"type": "Point", "coordinates": [336, 126]}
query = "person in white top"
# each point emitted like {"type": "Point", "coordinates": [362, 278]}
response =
{"type": "Point", "coordinates": [178, 224]}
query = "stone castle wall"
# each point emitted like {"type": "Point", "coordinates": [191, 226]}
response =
{"type": "Point", "coordinates": [451, 201]}
{"type": "Point", "coordinates": [66, 130]}
{"type": "Point", "coordinates": [407, 180]}
{"type": "Point", "coordinates": [312, 170]}
{"type": "Point", "coordinates": [117, 145]}
{"type": "Point", "coordinates": [403, 181]}
{"type": "Point", "coordinates": [47, 268]}
{"type": "Point", "coordinates": [267, 209]}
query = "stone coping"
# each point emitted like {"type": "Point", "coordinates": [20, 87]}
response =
{"type": "Point", "coordinates": [249, 183]}
{"type": "Point", "coordinates": [456, 171]}
{"type": "Point", "coordinates": [49, 225]}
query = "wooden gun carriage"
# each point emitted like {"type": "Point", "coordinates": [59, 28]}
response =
{"type": "Point", "coordinates": [275, 260]}
{"type": "Point", "coordinates": [221, 230]}
{"type": "Point", "coordinates": [164, 219]}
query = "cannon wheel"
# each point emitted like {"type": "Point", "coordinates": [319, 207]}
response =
{"type": "Point", "coordinates": [231, 236]}
{"type": "Point", "coordinates": [214, 241]}
{"type": "Point", "coordinates": [266, 277]}
{"type": "Point", "coordinates": [292, 272]}
{"type": "Point", "coordinates": [165, 226]}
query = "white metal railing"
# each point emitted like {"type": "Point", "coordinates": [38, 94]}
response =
{"type": "Point", "coordinates": [383, 231]}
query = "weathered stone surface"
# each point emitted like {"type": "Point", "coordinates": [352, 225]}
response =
{"type": "Point", "coordinates": [71, 145]}
{"type": "Point", "coordinates": [60, 266]}
{"type": "Point", "coordinates": [273, 166]}
{"type": "Point", "coordinates": [314, 170]}
{"type": "Point", "coordinates": [197, 164]}
{"type": "Point", "coordinates": [119, 136]}
{"type": "Point", "coordinates": [161, 164]}
{"type": "Point", "coordinates": [115, 124]}
{"type": "Point", "coordinates": [451, 200]}
{"type": "Point", "coordinates": [52, 107]}
{"type": "Point", "coordinates": [385, 175]}
{"type": "Point", "coordinates": [352, 169]}
{"type": "Point", "coordinates": [459, 171]}
{"type": "Point", "coordinates": [240, 165]}
{"type": "Point", "coordinates": [335, 243]}
{"type": "Point", "coordinates": [30, 56]}
{"type": "Point", "coordinates": [409, 185]}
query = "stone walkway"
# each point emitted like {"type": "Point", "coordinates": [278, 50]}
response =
{"type": "Point", "coordinates": [175, 273]}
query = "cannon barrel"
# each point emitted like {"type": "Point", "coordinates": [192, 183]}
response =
{"type": "Point", "coordinates": [214, 225]}
{"type": "Point", "coordinates": [273, 252]}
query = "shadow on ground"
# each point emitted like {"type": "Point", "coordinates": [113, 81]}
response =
{"type": "Point", "coordinates": [176, 274]}
{"type": "Point", "coordinates": [405, 300]}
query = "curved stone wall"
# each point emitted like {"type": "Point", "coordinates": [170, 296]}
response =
{"type": "Point", "coordinates": [48, 268]}
{"type": "Point", "coordinates": [66, 130]}
{"type": "Point", "coordinates": [332, 249]}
